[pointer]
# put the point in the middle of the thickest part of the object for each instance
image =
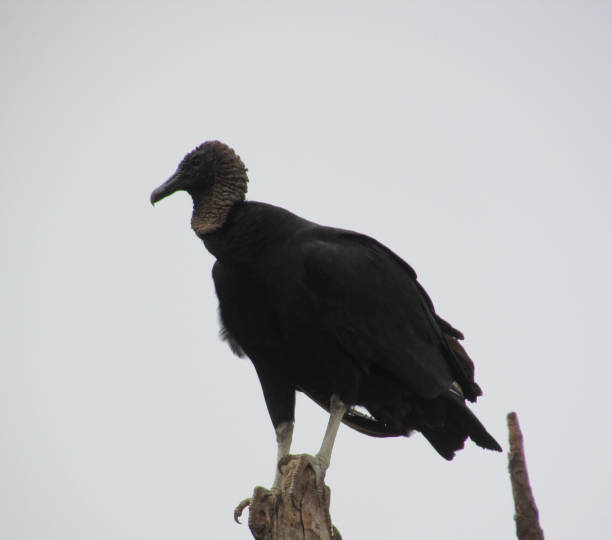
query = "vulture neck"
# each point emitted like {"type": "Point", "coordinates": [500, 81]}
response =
{"type": "Point", "coordinates": [209, 213]}
{"type": "Point", "coordinates": [250, 230]}
{"type": "Point", "coordinates": [212, 206]}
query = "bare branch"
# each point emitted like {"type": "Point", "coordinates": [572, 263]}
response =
{"type": "Point", "coordinates": [526, 512]}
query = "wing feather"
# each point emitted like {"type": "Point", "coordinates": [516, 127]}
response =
{"type": "Point", "coordinates": [372, 303]}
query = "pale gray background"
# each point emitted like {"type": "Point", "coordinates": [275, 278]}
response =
{"type": "Point", "coordinates": [472, 138]}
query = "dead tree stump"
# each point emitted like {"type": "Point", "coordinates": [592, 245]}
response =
{"type": "Point", "coordinates": [526, 511]}
{"type": "Point", "coordinates": [300, 511]}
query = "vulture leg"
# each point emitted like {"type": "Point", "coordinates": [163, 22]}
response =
{"type": "Point", "coordinates": [320, 462]}
{"type": "Point", "coordinates": [337, 410]}
{"type": "Point", "coordinates": [284, 434]}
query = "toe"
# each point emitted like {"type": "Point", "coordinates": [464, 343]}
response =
{"type": "Point", "coordinates": [240, 508]}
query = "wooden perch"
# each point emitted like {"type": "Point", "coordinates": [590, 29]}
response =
{"type": "Point", "coordinates": [299, 512]}
{"type": "Point", "coordinates": [526, 512]}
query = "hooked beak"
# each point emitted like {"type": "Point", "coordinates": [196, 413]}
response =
{"type": "Point", "coordinates": [173, 184]}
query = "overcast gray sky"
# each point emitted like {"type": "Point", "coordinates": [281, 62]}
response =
{"type": "Point", "coordinates": [474, 139]}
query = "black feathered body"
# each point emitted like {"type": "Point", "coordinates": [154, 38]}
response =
{"type": "Point", "coordinates": [328, 311]}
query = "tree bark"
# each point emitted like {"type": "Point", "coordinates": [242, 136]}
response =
{"type": "Point", "coordinates": [300, 511]}
{"type": "Point", "coordinates": [526, 512]}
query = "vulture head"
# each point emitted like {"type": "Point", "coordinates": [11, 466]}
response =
{"type": "Point", "coordinates": [215, 177]}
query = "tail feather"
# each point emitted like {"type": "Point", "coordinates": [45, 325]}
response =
{"type": "Point", "coordinates": [460, 424]}
{"type": "Point", "coordinates": [447, 441]}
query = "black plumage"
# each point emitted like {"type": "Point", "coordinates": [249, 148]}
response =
{"type": "Point", "coordinates": [328, 312]}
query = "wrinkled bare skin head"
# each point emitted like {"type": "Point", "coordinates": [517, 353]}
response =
{"type": "Point", "coordinates": [215, 177]}
{"type": "Point", "coordinates": [200, 168]}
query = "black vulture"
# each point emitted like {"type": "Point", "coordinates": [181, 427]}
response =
{"type": "Point", "coordinates": [328, 312]}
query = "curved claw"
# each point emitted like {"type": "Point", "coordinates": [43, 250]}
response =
{"type": "Point", "coordinates": [240, 508]}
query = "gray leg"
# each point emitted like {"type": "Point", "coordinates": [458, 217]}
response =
{"type": "Point", "coordinates": [337, 409]}
{"type": "Point", "coordinates": [320, 462]}
{"type": "Point", "coordinates": [284, 434]}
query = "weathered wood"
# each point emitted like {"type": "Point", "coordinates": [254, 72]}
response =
{"type": "Point", "coordinates": [300, 511]}
{"type": "Point", "coordinates": [526, 512]}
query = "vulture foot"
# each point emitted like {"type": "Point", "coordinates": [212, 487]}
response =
{"type": "Point", "coordinates": [319, 464]}
{"type": "Point", "coordinates": [260, 492]}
